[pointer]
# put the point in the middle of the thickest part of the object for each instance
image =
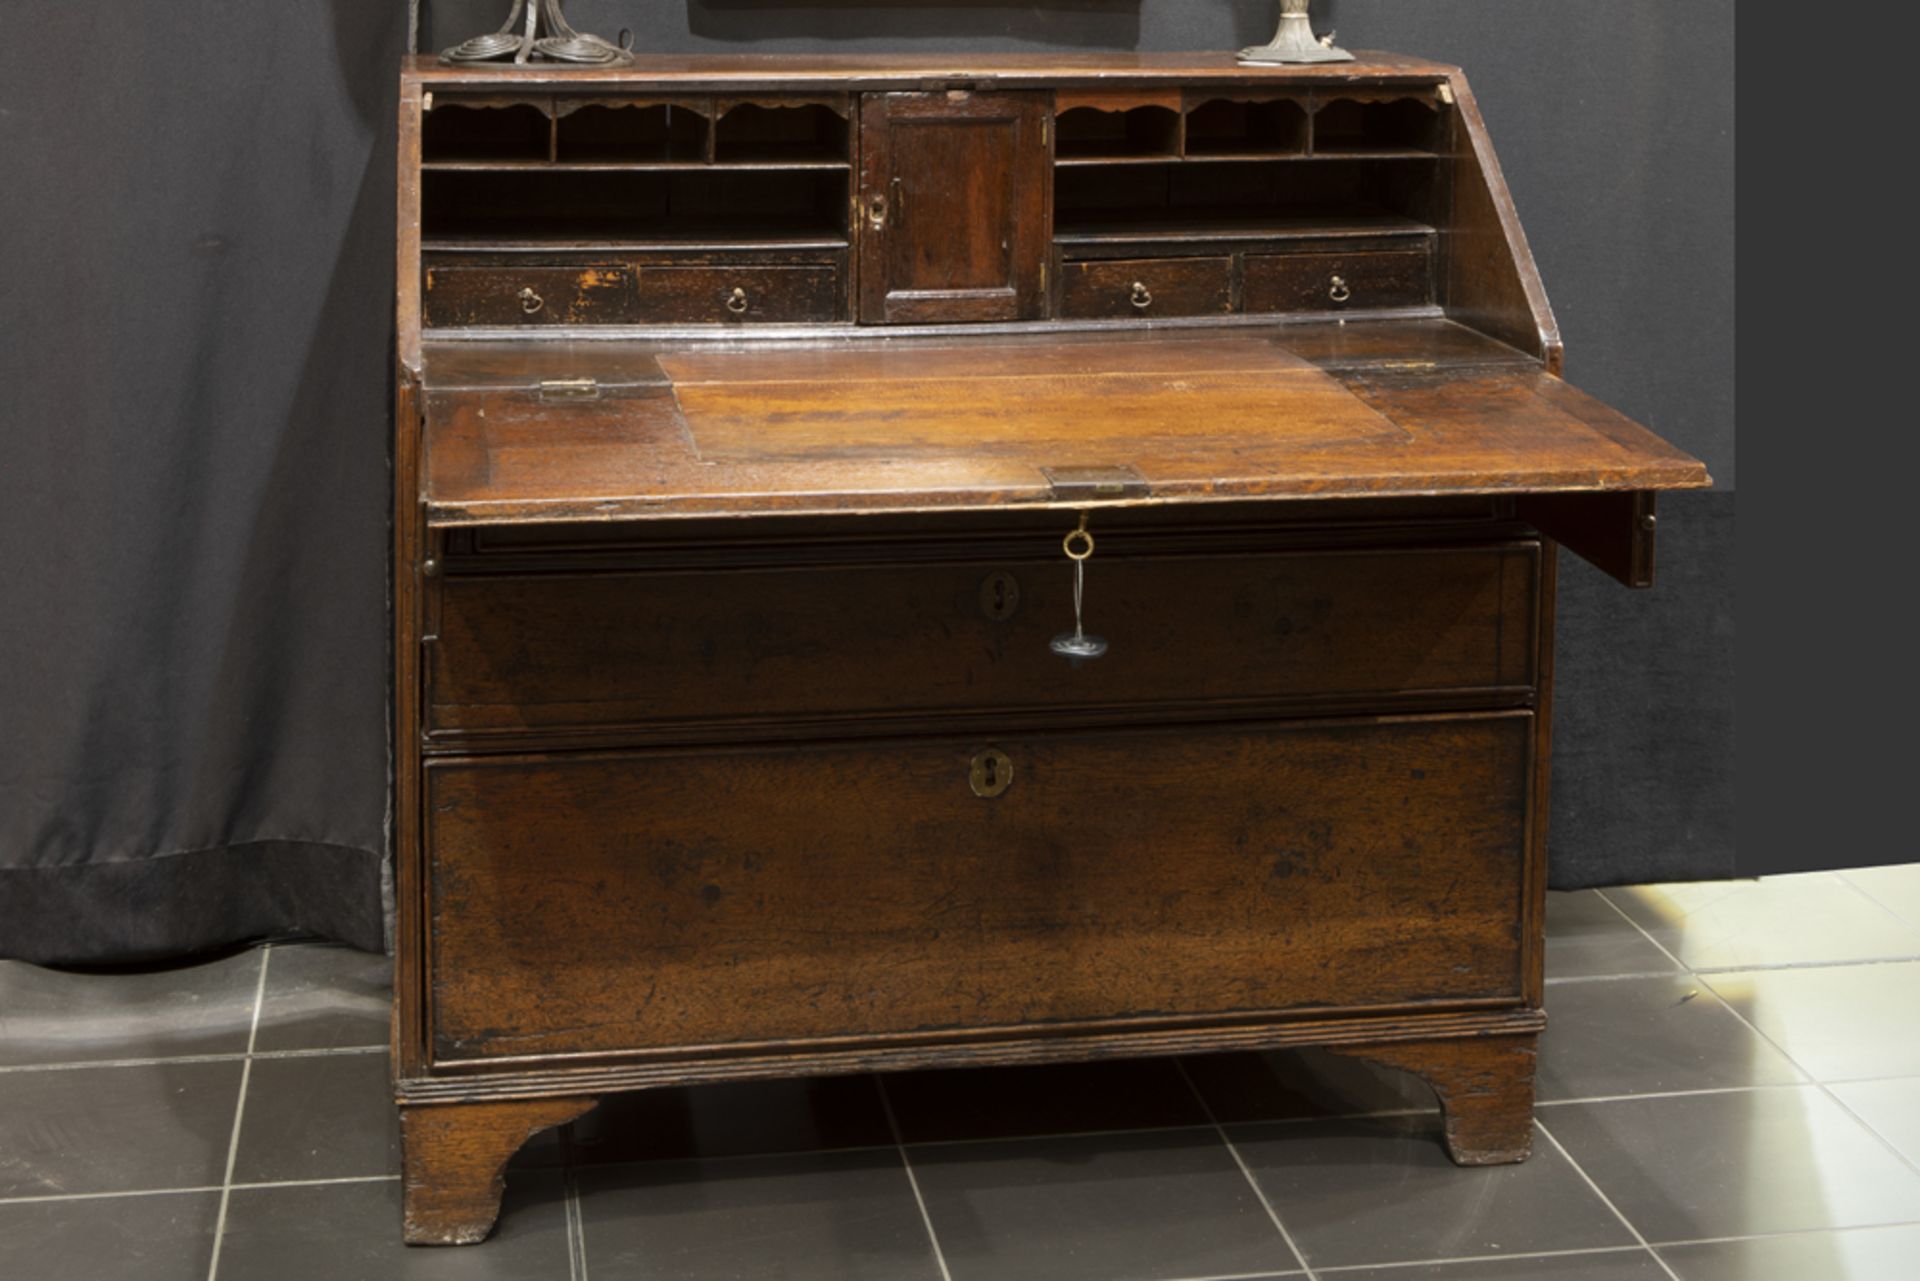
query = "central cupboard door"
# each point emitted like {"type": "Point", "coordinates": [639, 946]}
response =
{"type": "Point", "coordinates": [953, 206]}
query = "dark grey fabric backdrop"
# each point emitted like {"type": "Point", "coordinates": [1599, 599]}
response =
{"type": "Point", "coordinates": [195, 285]}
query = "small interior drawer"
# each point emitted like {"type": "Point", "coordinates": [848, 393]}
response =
{"type": "Point", "coordinates": [1338, 281]}
{"type": "Point", "coordinates": [505, 294]}
{"type": "Point", "coordinates": [725, 293]}
{"type": "Point", "coordinates": [1146, 287]}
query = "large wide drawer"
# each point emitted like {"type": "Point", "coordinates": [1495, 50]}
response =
{"type": "Point", "coordinates": [871, 891]}
{"type": "Point", "coordinates": [609, 652]}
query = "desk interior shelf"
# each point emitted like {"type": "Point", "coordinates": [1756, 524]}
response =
{"type": "Point", "coordinates": [634, 131]}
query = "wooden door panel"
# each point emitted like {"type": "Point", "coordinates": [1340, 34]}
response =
{"type": "Point", "coordinates": [953, 206]}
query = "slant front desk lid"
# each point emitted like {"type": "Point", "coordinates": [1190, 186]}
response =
{"type": "Point", "coordinates": [524, 431]}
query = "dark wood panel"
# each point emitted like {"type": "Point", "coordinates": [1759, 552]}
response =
{"type": "Point", "coordinates": [737, 293]}
{"type": "Point", "coordinates": [1147, 287]}
{"type": "Point", "coordinates": [1330, 343]}
{"type": "Point", "coordinates": [760, 73]}
{"type": "Point", "coordinates": [518, 652]}
{"type": "Point", "coordinates": [1337, 281]}
{"type": "Point", "coordinates": [844, 891]}
{"type": "Point", "coordinates": [1612, 532]}
{"type": "Point", "coordinates": [585, 294]}
{"type": "Point", "coordinates": [977, 424]}
{"type": "Point", "coordinates": [1490, 281]}
{"type": "Point", "coordinates": [953, 206]}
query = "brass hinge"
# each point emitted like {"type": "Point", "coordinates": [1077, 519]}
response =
{"type": "Point", "coordinates": [1045, 122]}
{"type": "Point", "coordinates": [1071, 484]}
{"type": "Point", "coordinates": [569, 389]}
{"type": "Point", "coordinates": [1446, 93]}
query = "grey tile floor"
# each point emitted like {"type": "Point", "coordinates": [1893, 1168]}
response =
{"type": "Point", "coordinates": [1729, 1091]}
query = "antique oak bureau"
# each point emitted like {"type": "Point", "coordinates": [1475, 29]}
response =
{"type": "Point", "coordinates": [744, 406]}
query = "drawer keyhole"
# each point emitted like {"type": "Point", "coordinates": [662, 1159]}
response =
{"type": "Point", "coordinates": [999, 595]}
{"type": "Point", "coordinates": [992, 772]}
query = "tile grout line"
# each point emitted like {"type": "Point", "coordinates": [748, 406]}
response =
{"type": "Point", "coordinates": [203, 1187]}
{"type": "Point", "coordinates": [1874, 899]}
{"type": "Point", "coordinates": [1814, 1080]}
{"type": "Point", "coordinates": [1244, 1276]}
{"type": "Point", "coordinates": [1641, 975]}
{"type": "Point", "coordinates": [1246, 1173]}
{"type": "Point", "coordinates": [913, 1181]}
{"type": "Point", "coordinates": [1606, 1200]}
{"type": "Point", "coordinates": [164, 1060]}
{"type": "Point", "coordinates": [102, 1196]}
{"type": "Point", "coordinates": [1870, 1127]}
{"type": "Point", "coordinates": [239, 1111]}
{"type": "Point", "coordinates": [1703, 970]}
{"type": "Point", "coordinates": [1583, 1252]}
{"type": "Point", "coordinates": [1812, 1077]}
{"type": "Point", "coordinates": [1786, 1232]}
{"type": "Point", "coordinates": [316, 1183]}
{"type": "Point", "coordinates": [1673, 1094]}
{"type": "Point", "coordinates": [1853, 963]}
{"type": "Point", "coordinates": [576, 1225]}
{"type": "Point", "coordinates": [1744, 1022]}
{"type": "Point", "coordinates": [1491, 1258]}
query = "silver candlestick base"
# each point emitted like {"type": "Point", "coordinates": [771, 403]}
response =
{"type": "Point", "coordinates": [561, 42]}
{"type": "Point", "coordinates": [1293, 40]}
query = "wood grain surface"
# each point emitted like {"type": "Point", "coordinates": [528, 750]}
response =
{"type": "Point", "coordinates": [638, 650]}
{"type": "Point", "coordinates": [929, 424]}
{"type": "Point", "coordinates": [671, 900]}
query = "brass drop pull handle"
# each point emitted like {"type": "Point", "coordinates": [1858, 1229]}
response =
{"type": "Point", "coordinates": [530, 302]}
{"type": "Point", "coordinates": [1337, 289]}
{"type": "Point", "coordinates": [737, 302]}
{"type": "Point", "coordinates": [990, 773]}
{"type": "Point", "coordinates": [1142, 297]}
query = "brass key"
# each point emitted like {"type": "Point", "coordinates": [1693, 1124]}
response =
{"type": "Point", "coordinates": [1076, 644]}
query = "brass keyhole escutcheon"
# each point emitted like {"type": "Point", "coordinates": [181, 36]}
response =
{"type": "Point", "coordinates": [992, 772]}
{"type": "Point", "coordinates": [999, 595]}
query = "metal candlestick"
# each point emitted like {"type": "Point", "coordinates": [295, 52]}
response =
{"type": "Point", "coordinates": [1293, 40]}
{"type": "Point", "coordinates": [560, 43]}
